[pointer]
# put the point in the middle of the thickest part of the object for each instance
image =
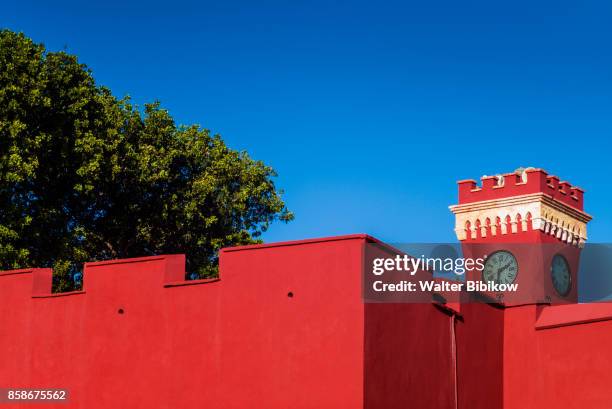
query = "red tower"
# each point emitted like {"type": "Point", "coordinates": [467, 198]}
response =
{"type": "Point", "coordinates": [525, 351]}
{"type": "Point", "coordinates": [529, 228]}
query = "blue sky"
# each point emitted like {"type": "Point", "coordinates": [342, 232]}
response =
{"type": "Point", "coordinates": [369, 111]}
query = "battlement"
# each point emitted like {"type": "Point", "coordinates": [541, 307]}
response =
{"type": "Point", "coordinates": [518, 183]}
{"type": "Point", "coordinates": [152, 274]}
{"type": "Point", "coordinates": [133, 273]}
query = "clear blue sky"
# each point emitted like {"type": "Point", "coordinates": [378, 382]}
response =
{"type": "Point", "coordinates": [369, 111]}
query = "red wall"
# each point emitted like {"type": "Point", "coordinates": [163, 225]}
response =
{"type": "Point", "coordinates": [240, 342]}
{"type": "Point", "coordinates": [480, 336]}
{"type": "Point", "coordinates": [243, 342]}
{"type": "Point", "coordinates": [237, 342]}
{"type": "Point", "coordinates": [408, 357]}
{"type": "Point", "coordinates": [558, 356]}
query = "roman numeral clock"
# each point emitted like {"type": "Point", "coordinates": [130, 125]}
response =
{"type": "Point", "coordinates": [529, 228]}
{"type": "Point", "coordinates": [500, 267]}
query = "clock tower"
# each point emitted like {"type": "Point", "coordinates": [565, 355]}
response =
{"type": "Point", "coordinates": [528, 226]}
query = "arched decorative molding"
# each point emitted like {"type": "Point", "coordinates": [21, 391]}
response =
{"type": "Point", "coordinates": [521, 214]}
{"type": "Point", "coordinates": [528, 222]}
{"type": "Point", "coordinates": [508, 224]}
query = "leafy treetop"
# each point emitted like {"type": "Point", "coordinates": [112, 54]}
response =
{"type": "Point", "coordinates": [85, 176]}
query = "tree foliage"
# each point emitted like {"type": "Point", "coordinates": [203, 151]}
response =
{"type": "Point", "coordinates": [86, 176]}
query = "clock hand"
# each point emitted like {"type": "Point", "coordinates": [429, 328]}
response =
{"type": "Point", "coordinates": [501, 269]}
{"type": "Point", "coordinates": [505, 267]}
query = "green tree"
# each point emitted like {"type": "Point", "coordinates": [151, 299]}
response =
{"type": "Point", "coordinates": [86, 176]}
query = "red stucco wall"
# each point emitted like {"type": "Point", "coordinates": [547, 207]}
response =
{"type": "Point", "coordinates": [552, 358]}
{"type": "Point", "coordinates": [240, 342]}
{"type": "Point", "coordinates": [243, 342]}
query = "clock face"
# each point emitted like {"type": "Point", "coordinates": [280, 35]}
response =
{"type": "Point", "coordinates": [561, 275]}
{"type": "Point", "coordinates": [500, 267]}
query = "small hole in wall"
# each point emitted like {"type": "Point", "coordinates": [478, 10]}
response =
{"type": "Point", "coordinates": [290, 294]}
{"type": "Point", "coordinates": [120, 311]}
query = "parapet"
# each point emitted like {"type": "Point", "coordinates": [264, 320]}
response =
{"type": "Point", "coordinates": [137, 275]}
{"type": "Point", "coordinates": [144, 276]}
{"type": "Point", "coordinates": [518, 183]}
